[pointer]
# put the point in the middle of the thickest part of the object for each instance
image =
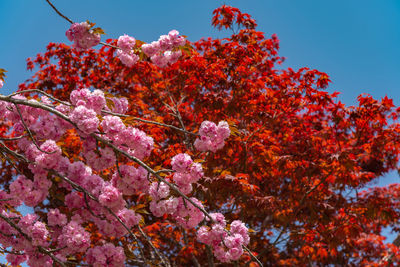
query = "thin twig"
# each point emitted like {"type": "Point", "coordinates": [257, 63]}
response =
{"type": "Point", "coordinates": [59, 13]}
{"type": "Point", "coordinates": [165, 125]}
{"type": "Point", "coordinates": [36, 104]}
{"type": "Point", "coordinates": [13, 138]}
{"type": "Point", "coordinates": [11, 163]}
{"type": "Point", "coordinates": [70, 21]}
{"type": "Point", "coordinates": [12, 152]}
{"type": "Point", "coordinates": [159, 255]}
{"type": "Point", "coordinates": [294, 216]}
{"type": "Point", "coordinates": [43, 93]}
{"type": "Point", "coordinates": [113, 46]}
{"type": "Point", "coordinates": [150, 122]}
{"type": "Point", "coordinates": [90, 209]}
{"type": "Point", "coordinates": [11, 252]}
{"type": "Point", "coordinates": [185, 239]}
{"type": "Point", "coordinates": [177, 115]}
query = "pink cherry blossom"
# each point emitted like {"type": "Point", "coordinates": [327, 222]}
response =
{"type": "Point", "coordinates": [82, 36]}
{"type": "Point", "coordinates": [126, 42]}
{"type": "Point", "coordinates": [86, 119]}
{"type": "Point", "coordinates": [55, 217]}
{"type": "Point", "coordinates": [106, 255]}
{"type": "Point", "coordinates": [212, 137]}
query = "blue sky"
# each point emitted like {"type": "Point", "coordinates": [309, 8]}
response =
{"type": "Point", "coordinates": [356, 42]}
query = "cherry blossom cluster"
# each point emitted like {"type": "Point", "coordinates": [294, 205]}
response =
{"type": "Point", "coordinates": [184, 212]}
{"type": "Point", "coordinates": [163, 51]}
{"type": "Point", "coordinates": [1, 83]}
{"type": "Point", "coordinates": [130, 180]}
{"type": "Point", "coordinates": [38, 236]}
{"type": "Point", "coordinates": [120, 105]}
{"type": "Point", "coordinates": [93, 198]}
{"type": "Point", "coordinates": [46, 155]}
{"type": "Point", "coordinates": [125, 52]}
{"type": "Point", "coordinates": [212, 137]}
{"type": "Point", "coordinates": [88, 105]}
{"type": "Point", "coordinates": [186, 173]}
{"type": "Point", "coordinates": [227, 246]}
{"type": "Point", "coordinates": [106, 255]}
{"type": "Point", "coordinates": [70, 234]}
{"type": "Point", "coordinates": [82, 36]}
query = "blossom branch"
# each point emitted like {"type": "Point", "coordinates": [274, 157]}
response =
{"type": "Point", "coordinates": [150, 122]}
{"type": "Point", "coordinates": [70, 21]}
{"type": "Point", "coordinates": [116, 149]}
{"type": "Point", "coordinates": [13, 138]}
{"type": "Point", "coordinates": [5, 149]}
{"type": "Point", "coordinates": [105, 111]}
{"type": "Point", "coordinates": [83, 190]}
{"type": "Point", "coordinates": [40, 248]}
{"type": "Point", "coordinates": [40, 92]}
{"type": "Point", "coordinates": [172, 186]}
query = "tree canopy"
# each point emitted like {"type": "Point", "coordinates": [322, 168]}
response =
{"type": "Point", "coordinates": [293, 168]}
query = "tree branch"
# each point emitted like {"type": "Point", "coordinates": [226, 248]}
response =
{"type": "Point", "coordinates": [59, 13]}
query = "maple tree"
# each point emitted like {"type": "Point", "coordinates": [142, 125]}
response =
{"type": "Point", "coordinates": [293, 168]}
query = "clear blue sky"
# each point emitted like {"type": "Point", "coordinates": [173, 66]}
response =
{"type": "Point", "coordinates": [356, 42]}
